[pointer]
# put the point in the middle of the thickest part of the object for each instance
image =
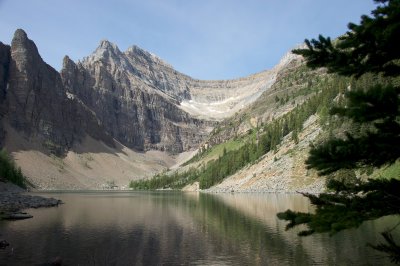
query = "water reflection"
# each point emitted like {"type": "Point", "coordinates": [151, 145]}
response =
{"type": "Point", "coordinates": [176, 228]}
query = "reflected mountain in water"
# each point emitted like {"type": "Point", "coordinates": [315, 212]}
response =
{"type": "Point", "coordinates": [135, 228]}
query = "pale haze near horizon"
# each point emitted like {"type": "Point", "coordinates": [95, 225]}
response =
{"type": "Point", "coordinates": [206, 39]}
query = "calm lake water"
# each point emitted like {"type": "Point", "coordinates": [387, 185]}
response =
{"type": "Point", "coordinates": [171, 228]}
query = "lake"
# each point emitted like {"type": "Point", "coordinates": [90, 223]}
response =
{"type": "Point", "coordinates": [174, 228]}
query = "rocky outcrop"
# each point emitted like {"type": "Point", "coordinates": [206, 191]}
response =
{"type": "Point", "coordinates": [13, 200]}
{"type": "Point", "coordinates": [146, 104]}
{"type": "Point", "coordinates": [132, 97]}
{"type": "Point", "coordinates": [131, 109]}
{"type": "Point", "coordinates": [157, 73]}
{"type": "Point", "coordinates": [99, 112]}
{"type": "Point", "coordinates": [36, 97]}
{"type": "Point", "coordinates": [4, 65]}
{"type": "Point", "coordinates": [37, 104]}
{"type": "Point", "coordinates": [282, 171]}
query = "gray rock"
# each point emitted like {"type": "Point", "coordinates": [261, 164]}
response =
{"type": "Point", "coordinates": [37, 104]}
{"type": "Point", "coordinates": [13, 199]}
{"type": "Point", "coordinates": [136, 96]}
{"type": "Point", "coordinates": [4, 67]}
{"type": "Point", "coordinates": [3, 244]}
{"type": "Point", "coordinates": [17, 216]}
{"type": "Point", "coordinates": [133, 97]}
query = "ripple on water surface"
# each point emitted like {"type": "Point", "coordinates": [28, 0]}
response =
{"type": "Point", "coordinates": [152, 228]}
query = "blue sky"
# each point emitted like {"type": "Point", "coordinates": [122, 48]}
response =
{"type": "Point", "coordinates": [206, 39]}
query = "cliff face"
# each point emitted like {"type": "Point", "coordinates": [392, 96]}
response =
{"type": "Point", "coordinates": [36, 102]}
{"type": "Point", "coordinates": [133, 97]}
{"type": "Point", "coordinates": [135, 103]}
{"type": "Point", "coordinates": [97, 110]}
{"type": "Point", "coordinates": [4, 66]}
{"type": "Point", "coordinates": [145, 104]}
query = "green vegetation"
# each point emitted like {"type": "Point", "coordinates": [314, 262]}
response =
{"type": "Point", "coordinates": [218, 150]}
{"type": "Point", "coordinates": [389, 171]}
{"type": "Point", "coordinates": [238, 153]}
{"type": "Point", "coordinates": [375, 135]}
{"type": "Point", "coordinates": [164, 181]}
{"type": "Point", "coordinates": [9, 171]}
{"type": "Point", "coordinates": [336, 212]}
{"type": "Point", "coordinates": [294, 85]}
{"type": "Point", "coordinates": [369, 49]}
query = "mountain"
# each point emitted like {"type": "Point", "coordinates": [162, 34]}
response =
{"type": "Point", "coordinates": [35, 101]}
{"type": "Point", "coordinates": [146, 104]}
{"type": "Point", "coordinates": [131, 97]}
{"type": "Point", "coordinates": [112, 117]}
{"type": "Point", "coordinates": [263, 147]}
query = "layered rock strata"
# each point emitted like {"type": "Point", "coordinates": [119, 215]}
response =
{"type": "Point", "coordinates": [36, 102]}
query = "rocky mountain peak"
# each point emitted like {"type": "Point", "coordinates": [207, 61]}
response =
{"type": "Point", "coordinates": [290, 58]}
{"type": "Point", "coordinates": [24, 50]}
{"type": "Point", "coordinates": [138, 99]}
{"type": "Point", "coordinates": [107, 45]}
{"type": "Point", "coordinates": [135, 97]}
{"type": "Point", "coordinates": [130, 98]}
{"type": "Point", "coordinates": [66, 62]}
{"type": "Point", "coordinates": [135, 52]}
{"type": "Point", "coordinates": [20, 34]}
{"type": "Point", "coordinates": [105, 51]}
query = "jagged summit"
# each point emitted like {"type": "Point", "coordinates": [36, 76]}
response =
{"type": "Point", "coordinates": [106, 44]}
{"type": "Point", "coordinates": [136, 51]}
{"type": "Point", "coordinates": [132, 98]}
{"type": "Point", "coordinates": [105, 51]}
{"type": "Point", "coordinates": [24, 48]}
{"type": "Point", "coordinates": [133, 59]}
{"type": "Point", "coordinates": [20, 34]}
{"type": "Point", "coordinates": [205, 99]}
{"type": "Point", "coordinates": [140, 100]}
{"type": "Point", "coordinates": [36, 104]}
{"type": "Point", "coordinates": [66, 61]}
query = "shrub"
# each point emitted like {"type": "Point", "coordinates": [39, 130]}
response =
{"type": "Point", "coordinates": [9, 171]}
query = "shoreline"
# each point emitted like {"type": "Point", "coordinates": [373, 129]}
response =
{"type": "Point", "coordinates": [14, 199]}
{"type": "Point", "coordinates": [209, 190]}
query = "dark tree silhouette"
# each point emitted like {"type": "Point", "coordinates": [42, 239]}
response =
{"type": "Point", "coordinates": [374, 110]}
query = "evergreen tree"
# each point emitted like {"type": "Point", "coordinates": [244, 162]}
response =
{"type": "Point", "coordinates": [374, 110]}
{"type": "Point", "coordinates": [9, 171]}
{"type": "Point", "coordinates": [371, 46]}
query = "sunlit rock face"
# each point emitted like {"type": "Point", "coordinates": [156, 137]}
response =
{"type": "Point", "coordinates": [146, 104]}
{"type": "Point", "coordinates": [132, 97]}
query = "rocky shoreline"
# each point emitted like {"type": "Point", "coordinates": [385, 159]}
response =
{"type": "Point", "coordinates": [272, 185]}
{"type": "Point", "coordinates": [14, 199]}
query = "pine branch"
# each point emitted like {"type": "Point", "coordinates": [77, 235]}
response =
{"type": "Point", "coordinates": [391, 248]}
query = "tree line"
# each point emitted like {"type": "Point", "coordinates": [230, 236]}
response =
{"type": "Point", "coordinates": [268, 139]}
